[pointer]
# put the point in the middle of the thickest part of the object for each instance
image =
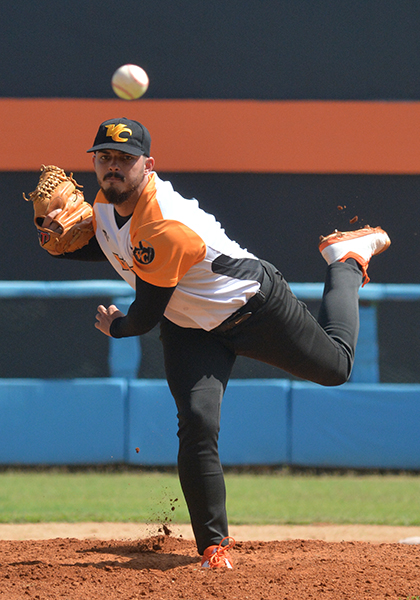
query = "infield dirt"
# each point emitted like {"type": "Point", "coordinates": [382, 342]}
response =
{"type": "Point", "coordinates": [130, 561]}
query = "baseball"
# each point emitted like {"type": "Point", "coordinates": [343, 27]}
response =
{"type": "Point", "coordinates": [130, 82]}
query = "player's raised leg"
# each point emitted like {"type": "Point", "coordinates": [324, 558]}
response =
{"type": "Point", "coordinates": [320, 350]}
{"type": "Point", "coordinates": [360, 245]}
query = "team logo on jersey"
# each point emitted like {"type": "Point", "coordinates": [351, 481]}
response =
{"type": "Point", "coordinates": [115, 131]}
{"type": "Point", "coordinates": [144, 253]}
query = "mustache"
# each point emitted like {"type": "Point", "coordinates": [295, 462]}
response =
{"type": "Point", "coordinates": [114, 175]}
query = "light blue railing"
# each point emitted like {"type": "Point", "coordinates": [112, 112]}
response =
{"type": "Point", "coordinates": [125, 354]}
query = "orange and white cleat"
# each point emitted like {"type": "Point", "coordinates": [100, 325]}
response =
{"type": "Point", "coordinates": [361, 245]}
{"type": "Point", "coordinates": [215, 557]}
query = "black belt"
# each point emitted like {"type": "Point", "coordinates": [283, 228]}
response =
{"type": "Point", "coordinates": [247, 309]}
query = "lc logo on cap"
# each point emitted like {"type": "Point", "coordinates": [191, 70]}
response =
{"type": "Point", "coordinates": [124, 135]}
{"type": "Point", "coordinates": [114, 131]}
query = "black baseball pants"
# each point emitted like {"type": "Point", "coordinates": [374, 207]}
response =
{"type": "Point", "coordinates": [283, 333]}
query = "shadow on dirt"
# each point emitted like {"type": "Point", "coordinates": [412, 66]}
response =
{"type": "Point", "coordinates": [159, 552]}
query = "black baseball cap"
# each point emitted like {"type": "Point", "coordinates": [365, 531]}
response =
{"type": "Point", "coordinates": [122, 134]}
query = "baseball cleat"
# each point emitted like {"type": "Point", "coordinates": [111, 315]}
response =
{"type": "Point", "coordinates": [361, 245]}
{"type": "Point", "coordinates": [215, 557]}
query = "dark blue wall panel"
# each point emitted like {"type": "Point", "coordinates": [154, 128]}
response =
{"type": "Point", "coordinates": [268, 422]}
{"type": "Point", "coordinates": [62, 422]}
{"type": "Point", "coordinates": [255, 422]}
{"type": "Point", "coordinates": [356, 426]}
{"type": "Point", "coordinates": [152, 424]}
{"type": "Point", "coordinates": [276, 49]}
{"type": "Point", "coordinates": [254, 426]}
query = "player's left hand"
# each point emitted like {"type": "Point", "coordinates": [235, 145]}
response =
{"type": "Point", "coordinates": [105, 316]}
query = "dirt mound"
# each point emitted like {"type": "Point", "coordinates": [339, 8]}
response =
{"type": "Point", "coordinates": [167, 568]}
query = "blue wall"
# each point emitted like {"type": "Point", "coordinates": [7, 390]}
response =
{"type": "Point", "coordinates": [273, 422]}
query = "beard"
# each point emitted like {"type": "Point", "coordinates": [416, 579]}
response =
{"type": "Point", "coordinates": [115, 197]}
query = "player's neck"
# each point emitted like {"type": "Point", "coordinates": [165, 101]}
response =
{"type": "Point", "coordinates": [126, 209]}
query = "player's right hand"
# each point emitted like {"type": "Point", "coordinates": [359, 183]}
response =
{"type": "Point", "coordinates": [105, 316]}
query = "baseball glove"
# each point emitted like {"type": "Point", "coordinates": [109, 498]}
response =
{"type": "Point", "coordinates": [72, 227]}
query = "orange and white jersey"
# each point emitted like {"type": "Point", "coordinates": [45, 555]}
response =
{"type": "Point", "coordinates": [169, 241]}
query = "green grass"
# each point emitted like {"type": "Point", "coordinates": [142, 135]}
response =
{"type": "Point", "coordinates": [375, 499]}
{"type": "Point", "coordinates": [275, 498]}
{"type": "Point", "coordinates": [90, 496]}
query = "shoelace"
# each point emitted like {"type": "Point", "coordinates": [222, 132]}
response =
{"type": "Point", "coordinates": [217, 559]}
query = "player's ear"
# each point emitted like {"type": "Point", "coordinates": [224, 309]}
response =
{"type": "Point", "coordinates": [149, 164]}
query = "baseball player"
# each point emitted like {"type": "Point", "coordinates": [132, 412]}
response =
{"type": "Point", "coordinates": [214, 301]}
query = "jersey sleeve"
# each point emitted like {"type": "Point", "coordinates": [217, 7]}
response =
{"type": "Point", "coordinates": [164, 251]}
{"type": "Point", "coordinates": [144, 313]}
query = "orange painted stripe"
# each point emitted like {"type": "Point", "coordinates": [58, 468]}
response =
{"type": "Point", "coordinates": [221, 135]}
